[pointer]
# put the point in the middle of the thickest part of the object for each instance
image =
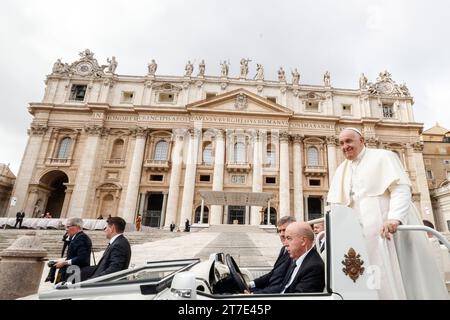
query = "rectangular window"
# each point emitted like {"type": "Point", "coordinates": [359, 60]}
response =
{"type": "Point", "coordinates": [388, 111]}
{"type": "Point", "coordinates": [127, 97]}
{"type": "Point", "coordinates": [314, 182]}
{"type": "Point", "coordinates": [210, 95]}
{"type": "Point", "coordinates": [346, 109]}
{"type": "Point", "coordinates": [205, 178]}
{"type": "Point", "coordinates": [156, 177]}
{"type": "Point", "coordinates": [312, 106]}
{"type": "Point", "coordinates": [238, 179]}
{"type": "Point", "coordinates": [77, 92]}
{"type": "Point", "coordinates": [429, 174]}
{"type": "Point", "coordinates": [166, 97]}
{"type": "Point", "coordinates": [271, 180]}
{"type": "Point", "coordinates": [273, 99]}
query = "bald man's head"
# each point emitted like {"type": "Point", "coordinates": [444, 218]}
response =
{"type": "Point", "coordinates": [351, 143]}
{"type": "Point", "coordinates": [299, 239]}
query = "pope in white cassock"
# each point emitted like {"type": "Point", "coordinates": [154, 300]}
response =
{"type": "Point", "coordinates": [374, 184]}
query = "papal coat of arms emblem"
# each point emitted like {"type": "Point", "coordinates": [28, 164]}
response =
{"type": "Point", "coordinates": [353, 264]}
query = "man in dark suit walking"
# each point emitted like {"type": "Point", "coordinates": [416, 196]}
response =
{"type": "Point", "coordinates": [78, 252]}
{"type": "Point", "coordinates": [118, 253]}
{"type": "Point", "coordinates": [307, 272]}
{"type": "Point", "coordinates": [270, 282]}
{"type": "Point", "coordinates": [19, 219]}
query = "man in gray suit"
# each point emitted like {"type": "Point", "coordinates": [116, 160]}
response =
{"type": "Point", "coordinates": [116, 256]}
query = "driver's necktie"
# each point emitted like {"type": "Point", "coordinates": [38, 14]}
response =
{"type": "Point", "coordinates": [289, 272]}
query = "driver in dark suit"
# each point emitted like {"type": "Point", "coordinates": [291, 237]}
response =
{"type": "Point", "coordinates": [118, 253]}
{"type": "Point", "coordinates": [270, 282]}
{"type": "Point", "coordinates": [306, 272]}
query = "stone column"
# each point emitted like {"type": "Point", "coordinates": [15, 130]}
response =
{"type": "Point", "coordinates": [298, 178]}
{"type": "Point", "coordinates": [219, 163]}
{"type": "Point", "coordinates": [189, 177]}
{"type": "Point", "coordinates": [426, 209]}
{"type": "Point", "coordinates": [257, 176]}
{"type": "Point", "coordinates": [247, 215]}
{"type": "Point", "coordinates": [225, 215]}
{"type": "Point", "coordinates": [134, 178]}
{"type": "Point", "coordinates": [284, 209]}
{"type": "Point", "coordinates": [142, 197]}
{"type": "Point", "coordinates": [67, 198]}
{"type": "Point", "coordinates": [27, 166]}
{"type": "Point", "coordinates": [332, 160]}
{"type": "Point", "coordinates": [175, 174]}
{"type": "Point", "coordinates": [21, 267]}
{"type": "Point", "coordinates": [163, 211]}
{"type": "Point", "coordinates": [202, 211]}
{"type": "Point", "coordinates": [83, 181]}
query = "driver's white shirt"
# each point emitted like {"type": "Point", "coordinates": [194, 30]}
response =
{"type": "Point", "coordinates": [298, 263]}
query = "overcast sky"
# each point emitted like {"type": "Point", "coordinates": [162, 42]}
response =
{"type": "Point", "coordinates": [409, 38]}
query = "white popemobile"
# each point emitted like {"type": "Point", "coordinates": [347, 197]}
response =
{"type": "Point", "coordinates": [348, 274]}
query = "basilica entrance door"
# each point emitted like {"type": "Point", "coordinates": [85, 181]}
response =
{"type": "Point", "coordinates": [152, 216]}
{"type": "Point", "coordinates": [236, 214]}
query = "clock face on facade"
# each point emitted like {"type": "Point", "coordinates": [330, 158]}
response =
{"type": "Point", "coordinates": [385, 87]}
{"type": "Point", "coordinates": [84, 68]}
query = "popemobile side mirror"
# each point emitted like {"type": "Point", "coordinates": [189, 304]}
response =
{"type": "Point", "coordinates": [184, 286]}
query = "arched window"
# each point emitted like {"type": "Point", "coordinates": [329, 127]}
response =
{"type": "Point", "coordinates": [270, 155]}
{"type": "Point", "coordinates": [198, 212]}
{"type": "Point", "coordinates": [64, 148]}
{"type": "Point", "coordinates": [117, 149]}
{"type": "Point", "coordinates": [313, 156]}
{"type": "Point", "coordinates": [207, 154]}
{"type": "Point", "coordinates": [239, 152]}
{"type": "Point", "coordinates": [161, 150]}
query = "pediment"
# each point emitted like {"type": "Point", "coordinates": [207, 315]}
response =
{"type": "Point", "coordinates": [239, 101]}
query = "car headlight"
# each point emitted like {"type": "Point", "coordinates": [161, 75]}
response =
{"type": "Point", "coordinates": [182, 293]}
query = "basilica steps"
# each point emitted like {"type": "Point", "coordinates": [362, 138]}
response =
{"type": "Point", "coordinates": [51, 239]}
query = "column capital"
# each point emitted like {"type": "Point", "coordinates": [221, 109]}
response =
{"type": "Point", "coordinates": [284, 136]}
{"type": "Point", "coordinates": [194, 132]}
{"type": "Point", "coordinates": [178, 134]}
{"type": "Point", "coordinates": [256, 135]}
{"type": "Point", "coordinates": [93, 129]}
{"type": "Point", "coordinates": [332, 140]}
{"type": "Point", "coordinates": [373, 142]}
{"type": "Point", "coordinates": [219, 134]}
{"type": "Point", "coordinates": [298, 138]}
{"type": "Point", "coordinates": [417, 146]}
{"type": "Point", "coordinates": [37, 129]}
{"type": "Point", "coordinates": [139, 132]}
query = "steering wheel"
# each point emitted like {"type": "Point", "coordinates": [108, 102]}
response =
{"type": "Point", "coordinates": [236, 274]}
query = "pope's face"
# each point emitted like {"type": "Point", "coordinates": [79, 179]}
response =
{"type": "Point", "coordinates": [351, 144]}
